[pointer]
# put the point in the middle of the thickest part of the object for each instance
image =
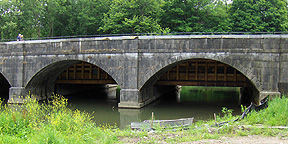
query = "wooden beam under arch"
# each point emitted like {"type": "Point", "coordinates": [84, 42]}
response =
{"type": "Point", "coordinates": [201, 72]}
{"type": "Point", "coordinates": [84, 73]}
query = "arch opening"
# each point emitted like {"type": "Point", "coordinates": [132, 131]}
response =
{"type": "Point", "coordinates": [200, 73]}
{"type": "Point", "coordinates": [4, 88]}
{"type": "Point", "coordinates": [70, 77]}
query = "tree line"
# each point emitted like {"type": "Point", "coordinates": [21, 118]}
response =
{"type": "Point", "coordinates": [48, 18]}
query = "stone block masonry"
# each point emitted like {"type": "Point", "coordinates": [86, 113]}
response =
{"type": "Point", "coordinates": [137, 62]}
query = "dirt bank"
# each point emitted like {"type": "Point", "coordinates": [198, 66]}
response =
{"type": "Point", "coordinates": [255, 139]}
{"type": "Point", "coordinates": [243, 140]}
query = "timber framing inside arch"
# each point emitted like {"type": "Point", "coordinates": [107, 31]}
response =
{"type": "Point", "coordinates": [203, 72]}
{"type": "Point", "coordinates": [84, 73]}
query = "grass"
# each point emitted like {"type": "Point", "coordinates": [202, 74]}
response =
{"type": "Point", "coordinates": [50, 123]}
{"type": "Point", "coordinates": [274, 115]}
{"type": "Point", "coordinates": [53, 122]}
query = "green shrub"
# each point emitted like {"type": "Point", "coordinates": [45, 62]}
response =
{"type": "Point", "coordinates": [51, 122]}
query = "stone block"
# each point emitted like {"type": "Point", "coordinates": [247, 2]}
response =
{"type": "Point", "coordinates": [17, 94]}
{"type": "Point", "coordinates": [271, 94]}
{"type": "Point", "coordinates": [129, 95]}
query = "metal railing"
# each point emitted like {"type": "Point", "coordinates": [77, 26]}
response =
{"type": "Point", "coordinates": [152, 34]}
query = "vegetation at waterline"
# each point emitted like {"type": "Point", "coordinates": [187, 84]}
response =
{"type": "Point", "coordinates": [50, 123]}
{"type": "Point", "coordinates": [53, 122]}
{"type": "Point", "coordinates": [203, 94]}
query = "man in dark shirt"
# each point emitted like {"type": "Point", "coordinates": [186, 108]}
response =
{"type": "Point", "coordinates": [19, 37]}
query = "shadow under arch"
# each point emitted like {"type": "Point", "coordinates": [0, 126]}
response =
{"type": "Point", "coordinates": [199, 72]}
{"type": "Point", "coordinates": [42, 84]}
{"type": "Point", "coordinates": [4, 88]}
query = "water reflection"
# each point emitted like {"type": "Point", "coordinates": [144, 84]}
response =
{"type": "Point", "coordinates": [198, 102]}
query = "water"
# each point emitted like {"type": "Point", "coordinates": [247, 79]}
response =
{"type": "Point", "coordinates": [198, 102]}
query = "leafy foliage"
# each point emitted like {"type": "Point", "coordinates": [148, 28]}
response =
{"type": "Point", "coordinates": [195, 16]}
{"type": "Point", "coordinates": [49, 123]}
{"type": "Point", "coordinates": [132, 16]}
{"type": "Point", "coordinates": [259, 15]}
{"type": "Point", "coordinates": [275, 115]}
{"type": "Point", "coordinates": [48, 18]}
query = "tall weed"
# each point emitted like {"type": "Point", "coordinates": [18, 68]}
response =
{"type": "Point", "coordinates": [49, 122]}
{"type": "Point", "coordinates": [275, 115]}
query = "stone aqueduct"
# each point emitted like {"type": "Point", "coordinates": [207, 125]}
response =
{"type": "Point", "coordinates": [136, 63]}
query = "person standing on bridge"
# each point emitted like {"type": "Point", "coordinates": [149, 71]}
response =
{"type": "Point", "coordinates": [19, 37]}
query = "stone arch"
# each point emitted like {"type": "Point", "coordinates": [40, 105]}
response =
{"type": "Point", "coordinates": [4, 88]}
{"type": "Point", "coordinates": [251, 92]}
{"type": "Point", "coordinates": [42, 82]}
{"type": "Point", "coordinates": [106, 68]}
{"type": "Point", "coordinates": [40, 63]}
{"type": "Point", "coordinates": [160, 67]}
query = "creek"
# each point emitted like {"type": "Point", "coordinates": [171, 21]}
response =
{"type": "Point", "coordinates": [198, 102]}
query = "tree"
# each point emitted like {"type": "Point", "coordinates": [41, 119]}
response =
{"type": "Point", "coordinates": [195, 16]}
{"type": "Point", "coordinates": [73, 17]}
{"type": "Point", "coordinates": [133, 16]}
{"type": "Point", "coordinates": [48, 19]}
{"type": "Point", "coordinates": [29, 21]}
{"type": "Point", "coordinates": [217, 18]}
{"type": "Point", "coordinates": [259, 15]}
{"type": "Point", "coordinates": [90, 16]}
{"type": "Point", "coordinates": [9, 15]}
